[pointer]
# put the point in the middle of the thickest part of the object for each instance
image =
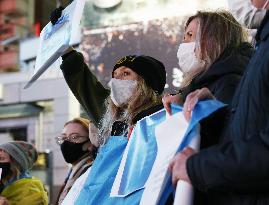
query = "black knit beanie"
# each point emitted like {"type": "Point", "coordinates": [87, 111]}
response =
{"type": "Point", "coordinates": [149, 68]}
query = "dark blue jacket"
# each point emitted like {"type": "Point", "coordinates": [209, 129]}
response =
{"type": "Point", "coordinates": [222, 79]}
{"type": "Point", "coordinates": [236, 170]}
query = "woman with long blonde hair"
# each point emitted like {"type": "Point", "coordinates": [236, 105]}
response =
{"type": "Point", "coordinates": [212, 57]}
{"type": "Point", "coordinates": [135, 92]}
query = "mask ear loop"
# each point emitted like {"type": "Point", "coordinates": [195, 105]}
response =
{"type": "Point", "coordinates": [265, 5]}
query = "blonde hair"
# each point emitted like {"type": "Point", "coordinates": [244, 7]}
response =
{"type": "Point", "coordinates": [82, 121]}
{"type": "Point", "coordinates": [144, 97]}
{"type": "Point", "coordinates": [216, 31]}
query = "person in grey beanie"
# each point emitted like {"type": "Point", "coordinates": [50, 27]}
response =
{"type": "Point", "coordinates": [16, 183]}
{"type": "Point", "coordinates": [22, 152]}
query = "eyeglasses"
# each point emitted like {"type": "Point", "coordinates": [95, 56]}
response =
{"type": "Point", "coordinates": [75, 138]}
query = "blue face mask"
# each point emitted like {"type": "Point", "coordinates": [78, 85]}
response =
{"type": "Point", "coordinates": [5, 167]}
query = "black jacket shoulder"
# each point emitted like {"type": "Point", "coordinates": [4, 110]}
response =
{"type": "Point", "coordinates": [222, 77]}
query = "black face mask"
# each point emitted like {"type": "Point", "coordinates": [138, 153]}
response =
{"type": "Point", "coordinates": [5, 169]}
{"type": "Point", "coordinates": [72, 151]}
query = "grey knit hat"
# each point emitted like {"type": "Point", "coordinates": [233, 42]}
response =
{"type": "Point", "coordinates": [23, 153]}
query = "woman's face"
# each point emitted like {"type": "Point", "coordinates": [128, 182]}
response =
{"type": "Point", "coordinates": [124, 73]}
{"type": "Point", "coordinates": [259, 3]}
{"type": "Point", "coordinates": [191, 31]}
{"type": "Point", "coordinates": [4, 157]}
{"type": "Point", "coordinates": [75, 132]}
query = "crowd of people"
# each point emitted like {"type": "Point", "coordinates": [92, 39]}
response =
{"type": "Point", "coordinates": [217, 63]}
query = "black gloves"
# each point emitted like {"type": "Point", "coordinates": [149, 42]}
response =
{"type": "Point", "coordinates": [56, 14]}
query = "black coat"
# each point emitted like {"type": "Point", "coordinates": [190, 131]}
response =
{"type": "Point", "coordinates": [221, 79]}
{"type": "Point", "coordinates": [224, 74]}
{"type": "Point", "coordinates": [236, 170]}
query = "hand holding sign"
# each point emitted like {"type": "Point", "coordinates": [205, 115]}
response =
{"type": "Point", "coordinates": [57, 36]}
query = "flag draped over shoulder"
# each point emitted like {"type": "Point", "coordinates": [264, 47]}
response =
{"type": "Point", "coordinates": [125, 172]}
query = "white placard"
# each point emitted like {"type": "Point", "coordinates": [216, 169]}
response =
{"type": "Point", "coordinates": [55, 39]}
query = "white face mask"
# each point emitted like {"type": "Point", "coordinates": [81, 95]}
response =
{"type": "Point", "coordinates": [121, 90]}
{"type": "Point", "coordinates": [187, 59]}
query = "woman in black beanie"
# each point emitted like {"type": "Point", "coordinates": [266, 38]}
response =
{"type": "Point", "coordinates": [135, 92]}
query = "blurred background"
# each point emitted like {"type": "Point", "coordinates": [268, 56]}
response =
{"type": "Point", "coordinates": [110, 29]}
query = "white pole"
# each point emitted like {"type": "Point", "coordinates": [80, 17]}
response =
{"type": "Point", "coordinates": [184, 190]}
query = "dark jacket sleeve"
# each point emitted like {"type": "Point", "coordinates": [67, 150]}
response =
{"type": "Point", "coordinates": [240, 166]}
{"type": "Point", "coordinates": [87, 89]}
{"type": "Point", "coordinates": [225, 87]}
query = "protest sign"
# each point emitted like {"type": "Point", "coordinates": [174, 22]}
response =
{"type": "Point", "coordinates": [56, 39]}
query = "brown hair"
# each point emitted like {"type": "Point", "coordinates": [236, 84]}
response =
{"type": "Point", "coordinates": [217, 31]}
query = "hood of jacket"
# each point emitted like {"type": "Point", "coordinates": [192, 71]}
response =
{"type": "Point", "coordinates": [232, 61]}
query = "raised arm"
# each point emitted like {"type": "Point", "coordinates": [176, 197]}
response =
{"type": "Point", "coordinates": [90, 93]}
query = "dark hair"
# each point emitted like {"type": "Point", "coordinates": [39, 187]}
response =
{"type": "Point", "coordinates": [217, 31]}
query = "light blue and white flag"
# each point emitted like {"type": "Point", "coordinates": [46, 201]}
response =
{"type": "Point", "coordinates": [153, 143]}
{"type": "Point", "coordinates": [129, 165]}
